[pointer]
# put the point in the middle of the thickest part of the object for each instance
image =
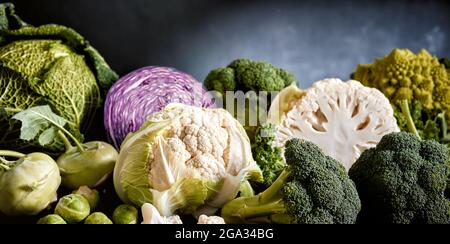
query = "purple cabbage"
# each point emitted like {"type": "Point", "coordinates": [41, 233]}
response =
{"type": "Point", "coordinates": [145, 91]}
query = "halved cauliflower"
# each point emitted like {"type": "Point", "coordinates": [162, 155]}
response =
{"type": "Point", "coordinates": [185, 159]}
{"type": "Point", "coordinates": [342, 118]}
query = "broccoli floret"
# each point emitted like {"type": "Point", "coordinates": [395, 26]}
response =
{"type": "Point", "coordinates": [268, 157]}
{"type": "Point", "coordinates": [247, 75]}
{"type": "Point", "coordinates": [313, 188]}
{"type": "Point", "coordinates": [402, 181]}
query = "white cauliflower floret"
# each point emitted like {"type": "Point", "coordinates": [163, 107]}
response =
{"type": "Point", "coordinates": [151, 215]}
{"type": "Point", "coordinates": [342, 118]}
{"type": "Point", "coordinates": [203, 219]}
{"type": "Point", "coordinates": [199, 139]}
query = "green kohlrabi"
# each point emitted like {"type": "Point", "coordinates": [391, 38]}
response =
{"type": "Point", "coordinates": [28, 184]}
{"type": "Point", "coordinates": [49, 64]}
{"type": "Point", "coordinates": [87, 164]}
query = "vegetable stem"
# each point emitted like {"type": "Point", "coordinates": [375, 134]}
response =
{"type": "Point", "coordinates": [9, 153]}
{"type": "Point", "coordinates": [66, 141]}
{"type": "Point", "coordinates": [4, 164]}
{"type": "Point", "coordinates": [409, 121]}
{"type": "Point", "coordinates": [62, 134]}
{"type": "Point", "coordinates": [444, 128]}
{"type": "Point", "coordinates": [274, 189]}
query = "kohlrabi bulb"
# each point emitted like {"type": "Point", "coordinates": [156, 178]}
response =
{"type": "Point", "coordinates": [89, 167]}
{"type": "Point", "coordinates": [27, 185]}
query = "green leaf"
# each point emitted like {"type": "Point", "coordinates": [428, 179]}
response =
{"type": "Point", "coordinates": [48, 136]}
{"type": "Point", "coordinates": [8, 18]}
{"type": "Point", "coordinates": [39, 121]}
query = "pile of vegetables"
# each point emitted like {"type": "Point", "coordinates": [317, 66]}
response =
{"type": "Point", "coordinates": [373, 149]}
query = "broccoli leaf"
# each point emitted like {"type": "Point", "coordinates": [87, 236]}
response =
{"type": "Point", "coordinates": [39, 121]}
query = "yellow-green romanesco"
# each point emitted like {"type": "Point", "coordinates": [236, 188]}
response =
{"type": "Point", "coordinates": [405, 75]}
{"type": "Point", "coordinates": [421, 79]}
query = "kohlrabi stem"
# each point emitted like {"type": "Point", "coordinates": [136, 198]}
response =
{"type": "Point", "coordinates": [409, 120]}
{"type": "Point", "coordinates": [66, 140]}
{"type": "Point", "coordinates": [6, 165]}
{"type": "Point", "coordinates": [9, 153]}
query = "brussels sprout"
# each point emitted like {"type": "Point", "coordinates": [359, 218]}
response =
{"type": "Point", "coordinates": [90, 194]}
{"type": "Point", "coordinates": [29, 184]}
{"type": "Point", "coordinates": [97, 218]}
{"type": "Point", "coordinates": [125, 214]}
{"type": "Point", "coordinates": [90, 164]}
{"type": "Point", "coordinates": [73, 208]}
{"type": "Point", "coordinates": [51, 219]}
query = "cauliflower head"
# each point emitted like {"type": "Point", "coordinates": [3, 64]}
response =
{"type": "Point", "coordinates": [185, 159]}
{"type": "Point", "coordinates": [342, 118]}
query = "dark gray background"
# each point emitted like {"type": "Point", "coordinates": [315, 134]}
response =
{"type": "Point", "coordinates": [312, 39]}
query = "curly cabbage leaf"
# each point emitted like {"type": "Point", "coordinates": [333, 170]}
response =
{"type": "Point", "coordinates": [52, 65]}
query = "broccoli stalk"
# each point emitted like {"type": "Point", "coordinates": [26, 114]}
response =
{"type": "Point", "coordinates": [313, 188]}
{"type": "Point", "coordinates": [261, 208]}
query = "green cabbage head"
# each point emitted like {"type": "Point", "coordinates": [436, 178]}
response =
{"type": "Point", "coordinates": [47, 65]}
{"type": "Point", "coordinates": [185, 159]}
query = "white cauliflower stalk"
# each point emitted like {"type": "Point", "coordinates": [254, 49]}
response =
{"type": "Point", "coordinates": [342, 118]}
{"type": "Point", "coordinates": [151, 215]}
{"type": "Point", "coordinates": [185, 159]}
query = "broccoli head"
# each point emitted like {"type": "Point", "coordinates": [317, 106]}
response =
{"type": "Point", "coordinates": [247, 75]}
{"type": "Point", "coordinates": [402, 181]}
{"type": "Point", "coordinates": [313, 188]}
